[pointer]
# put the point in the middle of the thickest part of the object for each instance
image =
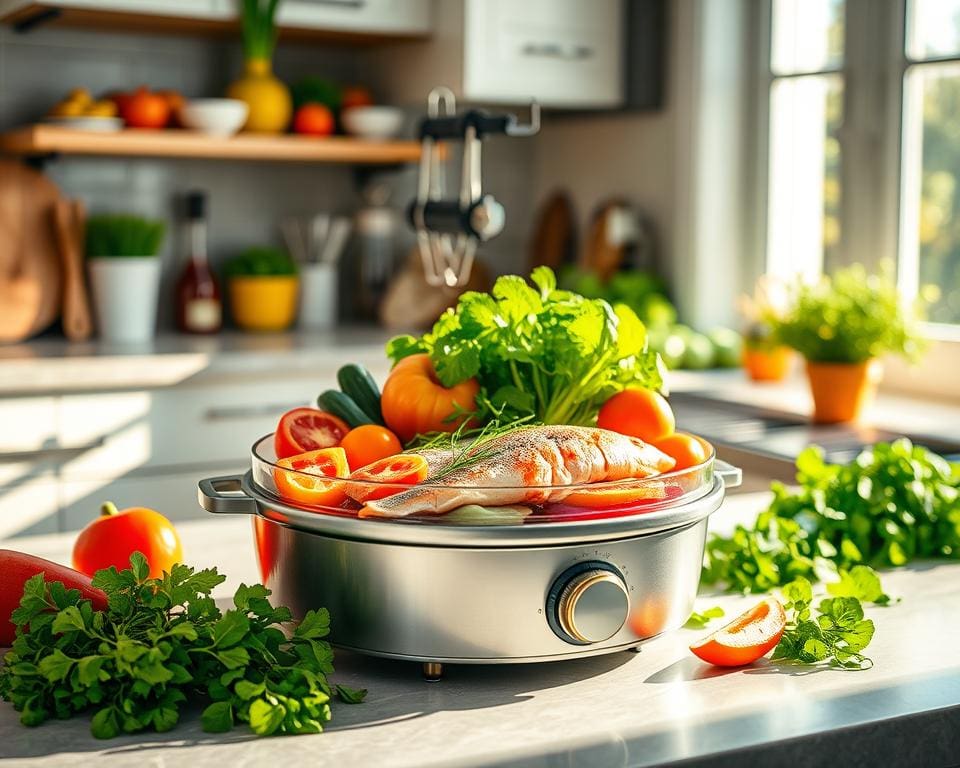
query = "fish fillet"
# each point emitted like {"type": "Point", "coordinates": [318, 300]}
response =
{"type": "Point", "coordinates": [515, 467]}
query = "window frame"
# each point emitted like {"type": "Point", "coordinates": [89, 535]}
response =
{"type": "Point", "coordinates": [873, 177]}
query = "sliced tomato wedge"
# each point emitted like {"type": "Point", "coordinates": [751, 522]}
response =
{"type": "Point", "coordinates": [307, 429]}
{"type": "Point", "coordinates": [402, 469]}
{"type": "Point", "coordinates": [306, 478]}
{"type": "Point", "coordinates": [618, 496]}
{"type": "Point", "coordinates": [751, 635]}
{"type": "Point", "coordinates": [568, 511]}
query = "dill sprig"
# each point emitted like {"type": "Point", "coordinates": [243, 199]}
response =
{"type": "Point", "coordinates": [470, 445]}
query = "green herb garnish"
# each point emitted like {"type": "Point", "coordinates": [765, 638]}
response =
{"type": "Point", "coordinates": [895, 502]}
{"type": "Point", "coordinates": [161, 642]}
{"type": "Point", "coordinates": [700, 620]}
{"type": "Point", "coordinates": [469, 445]}
{"type": "Point", "coordinates": [540, 352]}
{"type": "Point", "coordinates": [834, 633]}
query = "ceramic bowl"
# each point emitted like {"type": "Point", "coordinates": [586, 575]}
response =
{"type": "Point", "coordinates": [216, 117]}
{"type": "Point", "coordinates": [372, 122]}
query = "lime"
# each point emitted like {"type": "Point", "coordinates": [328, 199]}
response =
{"type": "Point", "coordinates": [728, 346]}
{"type": "Point", "coordinates": [699, 354]}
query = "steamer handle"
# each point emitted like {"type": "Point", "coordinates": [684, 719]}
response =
{"type": "Point", "coordinates": [730, 475]}
{"type": "Point", "coordinates": [224, 496]}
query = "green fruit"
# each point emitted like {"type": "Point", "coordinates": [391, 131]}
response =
{"type": "Point", "coordinates": [674, 349]}
{"type": "Point", "coordinates": [699, 354]}
{"type": "Point", "coordinates": [728, 346]}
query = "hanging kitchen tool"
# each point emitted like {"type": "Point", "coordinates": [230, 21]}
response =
{"type": "Point", "coordinates": [448, 231]}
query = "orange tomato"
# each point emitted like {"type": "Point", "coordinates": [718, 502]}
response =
{"type": "Point", "coordinates": [356, 96]}
{"type": "Point", "coordinates": [305, 478]}
{"type": "Point", "coordinates": [368, 443]}
{"type": "Point", "coordinates": [688, 450]}
{"type": "Point", "coordinates": [115, 535]}
{"type": "Point", "coordinates": [313, 120]}
{"type": "Point", "coordinates": [145, 109]}
{"type": "Point", "coordinates": [751, 635]}
{"type": "Point", "coordinates": [414, 402]}
{"type": "Point", "coordinates": [639, 413]}
{"type": "Point", "coordinates": [596, 498]}
{"type": "Point", "coordinates": [402, 469]}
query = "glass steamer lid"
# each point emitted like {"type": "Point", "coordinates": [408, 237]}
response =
{"type": "Point", "coordinates": [438, 504]}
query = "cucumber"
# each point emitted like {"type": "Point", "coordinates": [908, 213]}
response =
{"type": "Point", "coordinates": [343, 406]}
{"type": "Point", "coordinates": [356, 382]}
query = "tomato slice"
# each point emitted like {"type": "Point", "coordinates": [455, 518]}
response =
{"type": "Point", "coordinates": [307, 483]}
{"type": "Point", "coordinates": [402, 469]}
{"type": "Point", "coordinates": [751, 635]}
{"type": "Point", "coordinates": [591, 508]}
{"type": "Point", "coordinates": [617, 496]}
{"type": "Point", "coordinates": [307, 429]}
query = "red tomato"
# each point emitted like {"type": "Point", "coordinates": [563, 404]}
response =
{"type": "Point", "coordinates": [402, 469]}
{"type": "Point", "coordinates": [16, 568]}
{"type": "Point", "coordinates": [307, 429]}
{"type": "Point", "coordinates": [313, 120]}
{"type": "Point", "coordinates": [356, 96]}
{"type": "Point", "coordinates": [368, 443]}
{"type": "Point", "coordinates": [639, 413]}
{"type": "Point", "coordinates": [687, 450]}
{"type": "Point", "coordinates": [115, 535]}
{"type": "Point", "coordinates": [144, 109]}
{"type": "Point", "coordinates": [751, 635]}
{"type": "Point", "coordinates": [308, 483]}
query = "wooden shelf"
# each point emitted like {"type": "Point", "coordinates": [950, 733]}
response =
{"type": "Point", "coordinates": [39, 140]}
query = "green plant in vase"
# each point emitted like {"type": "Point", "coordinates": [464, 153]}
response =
{"type": "Point", "coordinates": [842, 325]}
{"type": "Point", "coordinates": [266, 96]}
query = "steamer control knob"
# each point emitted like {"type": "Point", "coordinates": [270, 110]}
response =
{"type": "Point", "coordinates": [590, 602]}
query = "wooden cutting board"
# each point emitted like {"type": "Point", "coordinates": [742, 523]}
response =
{"type": "Point", "coordinates": [31, 284]}
{"type": "Point", "coordinates": [554, 241]}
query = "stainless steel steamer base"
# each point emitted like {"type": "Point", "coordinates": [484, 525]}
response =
{"type": "Point", "coordinates": [479, 595]}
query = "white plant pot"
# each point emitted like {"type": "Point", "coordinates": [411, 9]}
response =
{"type": "Point", "coordinates": [125, 292]}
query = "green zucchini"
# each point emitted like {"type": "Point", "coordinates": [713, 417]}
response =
{"type": "Point", "coordinates": [343, 406]}
{"type": "Point", "coordinates": [356, 382]}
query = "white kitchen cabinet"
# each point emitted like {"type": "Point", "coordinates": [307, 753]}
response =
{"type": "Point", "coordinates": [384, 17]}
{"type": "Point", "coordinates": [564, 53]}
{"type": "Point", "coordinates": [186, 9]}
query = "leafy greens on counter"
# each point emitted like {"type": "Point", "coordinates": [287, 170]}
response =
{"type": "Point", "coordinates": [893, 503]}
{"type": "Point", "coordinates": [160, 642]}
{"type": "Point", "coordinates": [538, 352]}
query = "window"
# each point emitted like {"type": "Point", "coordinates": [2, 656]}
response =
{"type": "Point", "coordinates": [862, 152]}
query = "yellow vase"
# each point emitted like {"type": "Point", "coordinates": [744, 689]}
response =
{"type": "Point", "coordinates": [264, 303]}
{"type": "Point", "coordinates": [266, 96]}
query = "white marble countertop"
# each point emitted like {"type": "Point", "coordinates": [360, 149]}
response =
{"type": "Point", "coordinates": [655, 707]}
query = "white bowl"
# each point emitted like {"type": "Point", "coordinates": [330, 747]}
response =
{"type": "Point", "coordinates": [216, 117]}
{"type": "Point", "coordinates": [372, 122]}
{"type": "Point", "coordinates": [88, 123]}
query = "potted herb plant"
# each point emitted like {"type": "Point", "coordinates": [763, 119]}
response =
{"type": "Point", "coordinates": [124, 272]}
{"type": "Point", "coordinates": [266, 96]}
{"type": "Point", "coordinates": [765, 357]}
{"type": "Point", "coordinates": [263, 285]}
{"type": "Point", "coordinates": [842, 325]}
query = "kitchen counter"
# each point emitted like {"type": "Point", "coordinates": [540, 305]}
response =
{"type": "Point", "coordinates": [658, 706]}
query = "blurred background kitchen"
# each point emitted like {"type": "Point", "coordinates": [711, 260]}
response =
{"type": "Point", "coordinates": [203, 212]}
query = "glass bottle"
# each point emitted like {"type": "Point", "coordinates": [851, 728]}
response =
{"type": "Point", "coordinates": [199, 308]}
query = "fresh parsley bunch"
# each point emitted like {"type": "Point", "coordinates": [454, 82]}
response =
{"type": "Point", "coordinates": [895, 502]}
{"type": "Point", "coordinates": [836, 634]}
{"type": "Point", "coordinates": [160, 643]}
{"type": "Point", "coordinates": [538, 352]}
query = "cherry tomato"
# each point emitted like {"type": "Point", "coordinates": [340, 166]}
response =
{"type": "Point", "coordinates": [751, 635]}
{"type": "Point", "coordinates": [688, 450]}
{"type": "Point", "coordinates": [308, 483]}
{"type": "Point", "coordinates": [115, 535]}
{"type": "Point", "coordinates": [313, 120]}
{"type": "Point", "coordinates": [307, 429]}
{"type": "Point", "coordinates": [368, 443]}
{"type": "Point", "coordinates": [402, 469]}
{"type": "Point", "coordinates": [639, 413]}
{"type": "Point", "coordinates": [144, 109]}
{"type": "Point", "coordinates": [356, 96]}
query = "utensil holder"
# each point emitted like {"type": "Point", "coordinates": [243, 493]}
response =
{"type": "Point", "coordinates": [318, 298]}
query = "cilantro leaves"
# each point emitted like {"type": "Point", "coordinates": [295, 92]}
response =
{"type": "Point", "coordinates": [160, 642]}
{"type": "Point", "coordinates": [537, 351]}
{"type": "Point", "coordinates": [893, 503]}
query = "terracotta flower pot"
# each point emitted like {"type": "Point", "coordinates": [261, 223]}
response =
{"type": "Point", "coordinates": [842, 391]}
{"type": "Point", "coordinates": [767, 364]}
